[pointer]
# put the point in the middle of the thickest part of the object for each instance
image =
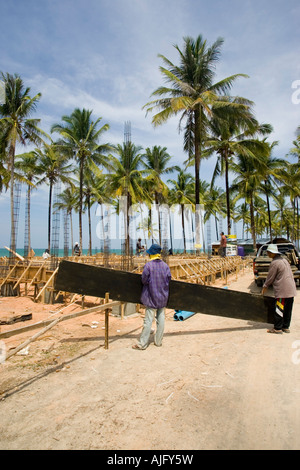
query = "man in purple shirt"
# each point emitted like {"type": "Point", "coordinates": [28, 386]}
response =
{"type": "Point", "coordinates": [155, 293]}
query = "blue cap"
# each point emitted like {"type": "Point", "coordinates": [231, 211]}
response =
{"type": "Point", "coordinates": [154, 249]}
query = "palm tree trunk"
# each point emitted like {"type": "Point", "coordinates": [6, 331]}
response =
{"type": "Point", "coordinates": [183, 228]}
{"type": "Point", "coordinates": [90, 228]}
{"type": "Point", "coordinates": [12, 182]}
{"type": "Point", "coordinates": [28, 219]}
{"type": "Point", "coordinates": [80, 203]}
{"type": "Point", "coordinates": [252, 222]}
{"type": "Point", "coordinates": [197, 136]}
{"type": "Point", "coordinates": [158, 216]}
{"type": "Point", "coordinates": [71, 226]}
{"type": "Point", "coordinates": [227, 193]}
{"type": "Point", "coordinates": [269, 216]}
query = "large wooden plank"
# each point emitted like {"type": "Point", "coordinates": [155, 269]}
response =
{"type": "Point", "coordinates": [126, 287]}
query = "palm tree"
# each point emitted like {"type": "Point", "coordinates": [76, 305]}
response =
{"type": "Point", "coordinates": [16, 128]}
{"type": "Point", "coordinates": [68, 200]}
{"type": "Point", "coordinates": [182, 192]}
{"type": "Point", "coordinates": [247, 185]}
{"type": "Point", "coordinates": [295, 152]}
{"type": "Point", "coordinates": [80, 139]}
{"type": "Point", "coordinates": [101, 195]}
{"type": "Point", "coordinates": [290, 176]}
{"type": "Point", "coordinates": [27, 163]}
{"type": "Point", "coordinates": [271, 173]}
{"type": "Point", "coordinates": [242, 213]}
{"type": "Point", "coordinates": [155, 162]}
{"type": "Point", "coordinates": [192, 93]}
{"type": "Point", "coordinates": [55, 167]}
{"type": "Point", "coordinates": [125, 179]}
{"type": "Point", "coordinates": [233, 131]}
{"type": "Point", "coordinates": [213, 202]}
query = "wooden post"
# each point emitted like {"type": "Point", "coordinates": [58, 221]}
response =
{"type": "Point", "coordinates": [22, 275]}
{"type": "Point", "coordinates": [106, 322]}
{"type": "Point", "coordinates": [37, 273]}
{"type": "Point", "coordinates": [47, 283]}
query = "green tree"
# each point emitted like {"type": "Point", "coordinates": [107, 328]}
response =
{"type": "Point", "coordinates": [234, 130]}
{"type": "Point", "coordinates": [80, 139]}
{"type": "Point", "coordinates": [125, 179]}
{"type": "Point", "coordinates": [247, 185]}
{"type": "Point", "coordinates": [27, 164]}
{"type": "Point", "coordinates": [16, 127]}
{"type": "Point", "coordinates": [68, 201]}
{"type": "Point", "coordinates": [192, 92]}
{"type": "Point", "coordinates": [54, 167]}
{"type": "Point", "coordinates": [181, 193]}
{"type": "Point", "coordinates": [156, 163]}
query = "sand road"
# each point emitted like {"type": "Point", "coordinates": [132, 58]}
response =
{"type": "Point", "coordinates": [216, 383]}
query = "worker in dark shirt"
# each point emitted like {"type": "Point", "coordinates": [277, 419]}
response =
{"type": "Point", "coordinates": [155, 293]}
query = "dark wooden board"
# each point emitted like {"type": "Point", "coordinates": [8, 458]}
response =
{"type": "Point", "coordinates": [126, 287]}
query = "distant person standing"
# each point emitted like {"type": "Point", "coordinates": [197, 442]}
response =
{"type": "Point", "coordinates": [156, 278]}
{"type": "Point", "coordinates": [76, 249]}
{"type": "Point", "coordinates": [139, 247]}
{"type": "Point", "coordinates": [46, 254]}
{"type": "Point", "coordinates": [223, 244]}
{"type": "Point", "coordinates": [281, 277]}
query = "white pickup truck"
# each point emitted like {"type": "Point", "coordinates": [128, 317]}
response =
{"type": "Point", "coordinates": [262, 262]}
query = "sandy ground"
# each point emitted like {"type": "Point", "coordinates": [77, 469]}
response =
{"type": "Point", "coordinates": [216, 383]}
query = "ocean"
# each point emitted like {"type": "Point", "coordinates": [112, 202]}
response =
{"type": "Point", "coordinates": [40, 251]}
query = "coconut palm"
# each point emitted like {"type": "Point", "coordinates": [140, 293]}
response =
{"type": "Point", "coordinates": [234, 130]}
{"type": "Point", "coordinates": [290, 176]}
{"type": "Point", "coordinates": [192, 93]}
{"type": "Point", "coordinates": [271, 173]}
{"type": "Point", "coordinates": [54, 167]}
{"type": "Point", "coordinates": [125, 179]}
{"type": "Point", "coordinates": [27, 164]}
{"type": "Point", "coordinates": [68, 201]}
{"type": "Point", "coordinates": [16, 127]}
{"type": "Point", "coordinates": [242, 213]}
{"type": "Point", "coordinates": [155, 162]}
{"type": "Point", "coordinates": [80, 139]}
{"type": "Point", "coordinates": [181, 193]}
{"type": "Point", "coordinates": [213, 201]}
{"type": "Point", "coordinates": [247, 185]}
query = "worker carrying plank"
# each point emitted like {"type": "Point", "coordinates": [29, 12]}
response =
{"type": "Point", "coordinates": [281, 277]}
{"type": "Point", "coordinates": [156, 278]}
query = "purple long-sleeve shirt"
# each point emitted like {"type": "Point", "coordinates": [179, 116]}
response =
{"type": "Point", "coordinates": [155, 278]}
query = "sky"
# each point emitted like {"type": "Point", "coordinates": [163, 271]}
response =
{"type": "Point", "coordinates": [102, 55]}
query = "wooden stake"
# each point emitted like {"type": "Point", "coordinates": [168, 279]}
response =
{"type": "Point", "coordinates": [106, 322]}
{"type": "Point", "coordinates": [23, 274]}
{"type": "Point", "coordinates": [14, 253]}
{"type": "Point", "coordinates": [47, 283]}
{"type": "Point", "coordinates": [38, 272]}
{"type": "Point", "coordinates": [9, 274]}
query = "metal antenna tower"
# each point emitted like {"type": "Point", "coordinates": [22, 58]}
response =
{"type": "Point", "coordinates": [127, 249]}
{"type": "Point", "coordinates": [27, 224]}
{"type": "Point", "coordinates": [127, 132]}
{"type": "Point", "coordinates": [16, 212]}
{"type": "Point", "coordinates": [66, 233]}
{"type": "Point", "coordinates": [106, 237]}
{"type": "Point", "coordinates": [55, 227]}
{"type": "Point", "coordinates": [208, 232]}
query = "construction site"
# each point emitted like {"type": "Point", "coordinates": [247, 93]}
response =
{"type": "Point", "coordinates": [71, 380]}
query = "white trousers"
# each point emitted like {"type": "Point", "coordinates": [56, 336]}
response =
{"type": "Point", "coordinates": [150, 314]}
